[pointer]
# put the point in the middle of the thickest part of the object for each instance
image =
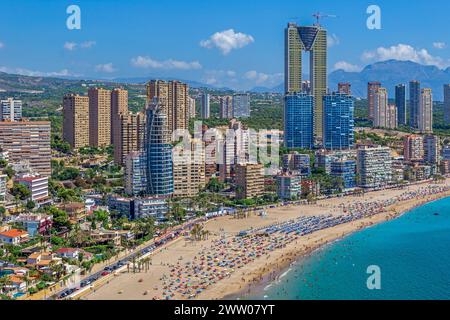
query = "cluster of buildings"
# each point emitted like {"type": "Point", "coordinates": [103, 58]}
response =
{"type": "Point", "coordinates": [25, 146]}
{"type": "Point", "coordinates": [230, 106]}
{"type": "Point", "coordinates": [419, 111]}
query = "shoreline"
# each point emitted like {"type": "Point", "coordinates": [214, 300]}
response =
{"type": "Point", "coordinates": [296, 256]}
{"type": "Point", "coordinates": [175, 260]}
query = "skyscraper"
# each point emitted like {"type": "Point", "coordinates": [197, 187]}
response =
{"type": "Point", "coordinates": [400, 102]}
{"type": "Point", "coordinates": [241, 105]}
{"type": "Point", "coordinates": [119, 106]}
{"type": "Point", "coordinates": [447, 104]}
{"type": "Point", "coordinates": [425, 115]}
{"type": "Point", "coordinates": [298, 121]}
{"type": "Point", "coordinates": [339, 121]}
{"type": "Point", "coordinates": [414, 104]}
{"type": "Point", "coordinates": [76, 120]}
{"type": "Point", "coordinates": [391, 116]}
{"type": "Point", "coordinates": [372, 89]}
{"type": "Point", "coordinates": [345, 87]}
{"type": "Point", "coordinates": [314, 40]}
{"type": "Point", "coordinates": [158, 151]}
{"type": "Point", "coordinates": [10, 110]}
{"type": "Point", "coordinates": [380, 103]}
{"type": "Point", "coordinates": [99, 117]}
{"type": "Point", "coordinates": [173, 102]}
{"type": "Point", "coordinates": [191, 103]}
{"type": "Point", "coordinates": [130, 135]}
{"type": "Point", "coordinates": [205, 111]}
{"type": "Point", "coordinates": [27, 141]}
{"type": "Point", "coordinates": [226, 107]}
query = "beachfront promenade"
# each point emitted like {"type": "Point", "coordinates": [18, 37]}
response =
{"type": "Point", "coordinates": [227, 262]}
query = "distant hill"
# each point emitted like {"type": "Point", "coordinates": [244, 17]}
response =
{"type": "Point", "coordinates": [389, 73]}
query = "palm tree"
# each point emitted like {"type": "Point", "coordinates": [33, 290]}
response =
{"type": "Point", "coordinates": [196, 232]}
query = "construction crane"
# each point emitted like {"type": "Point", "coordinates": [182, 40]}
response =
{"type": "Point", "coordinates": [319, 15]}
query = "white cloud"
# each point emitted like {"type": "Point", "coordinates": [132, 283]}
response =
{"type": "Point", "coordinates": [227, 40]}
{"type": "Point", "coordinates": [219, 77]}
{"type": "Point", "coordinates": [263, 78]}
{"type": "Point", "coordinates": [33, 73]}
{"type": "Point", "coordinates": [70, 46]}
{"type": "Point", "coordinates": [83, 45]}
{"type": "Point", "coordinates": [405, 52]}
{"type": "Point", "coordinates": [149, 63]}
{"type": "Point", "coordinates": [1, 44]}
{"type": "Point", "coordinates": [346, 66]}
{"type": "Point", "coordinates": [332, 40]}
{"type": "Point", "coordinates": [107, 67]}
{"type": "Point", "coordinates": [439, 45]}
{"type": "Point", "coordinates": [88, 44]}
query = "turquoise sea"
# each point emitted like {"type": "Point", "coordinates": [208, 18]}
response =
{"type": "Point", "coordinates": [413, 253]}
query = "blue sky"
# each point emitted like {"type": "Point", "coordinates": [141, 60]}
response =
{"type": "Point", "coordinates": [234, 43]}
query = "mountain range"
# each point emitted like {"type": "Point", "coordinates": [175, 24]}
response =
{"type": "Point", "coordinates": [389, 73]}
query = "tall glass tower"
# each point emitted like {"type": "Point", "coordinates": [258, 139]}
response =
{"type": "Point", "coordinates": [298, 121]}
{"type": "Point", "coordinates": [400, 102]}
{"type": "Point", "coordinates": [338, 121]}
{"type": "Point", "coordinates": [312, 39]}
{"type": "Point", "coordinates": [158, 149]}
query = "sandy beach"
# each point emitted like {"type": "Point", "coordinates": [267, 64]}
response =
{"type": "Point", "coordinates": [224, 265]}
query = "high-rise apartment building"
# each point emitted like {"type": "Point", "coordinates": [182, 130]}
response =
{"type": "Point", "coordinates": [339, 123]}
{"type": "Point", "coordinates": [28, 141]}
{"type": "Point", "coordinates": [99, 117]}
{"type": "Point", "coordinates": [312, 39]}
{"type": "Point", "coordinates": [413, 148]}
{"type": "Point", "coordinates": [76, 120]}
{"type": "Point", "coordinates": [344, 169]}
{"type": "Point", "coordinates": [249, 180]}
{"type": "Point", "coordinates": [189, 170]}
{"type": "Point", "coordinates": [400, 103]}
{"type": "Point", "coordinates": [119, 106]}
{"type": "Point", "coordinates": [173, 97]}
{"type": "Point", "coordinates": [431, 149]}
{"type": "Point", "coordinates": [414, 104]}
{"type": "Point", "coordinates": [374, 166]}
{"type": "Point", "coordinates": [345, 88]}
{"type": "Point", "coordinates": [380, 104]}
{"type": "Point", "coordinates": [297, 163]}
{"type": "Point", "coordinates": [205, 110]}
{"type": "Point", "coordinates": [158, 151]}
{"type": "Point", "coordinates": [130, 135]}
{"type": "Point", "coordinates": [10, 110]}
{"type": "Point", "coordinates": [289, 186]}
{"type": "Point", "coordinates": [135, 177]}
{"type": "Point", "coordinates": [226, 107]}
{"type": "Point", "coordinates": [191, 107]}
{"type": "Point", "coordinates": [425, 116]}
{"type": "Point", "coordinates": [298, 121]}
{"type": "Point", "coordinates": [241, 105]}
{"type": "Point", "coordinates": [372, 89]}
{"type": "Point", "coordinates": [391, 116]}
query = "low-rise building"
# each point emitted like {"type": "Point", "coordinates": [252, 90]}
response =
{"type": "Point", "coordinates": [3, 178]}
{"type": "Point", "coordinates": [13, 236]}
{"type": "Point", "coordinates": [35, 223]}
{"type": "Point", "coordinates": [346, 170]}
{"type": "Point", "coordinates": [38, 186]}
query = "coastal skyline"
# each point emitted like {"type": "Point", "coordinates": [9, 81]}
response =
{"type": "Point", "coordinates": [241, 50]}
